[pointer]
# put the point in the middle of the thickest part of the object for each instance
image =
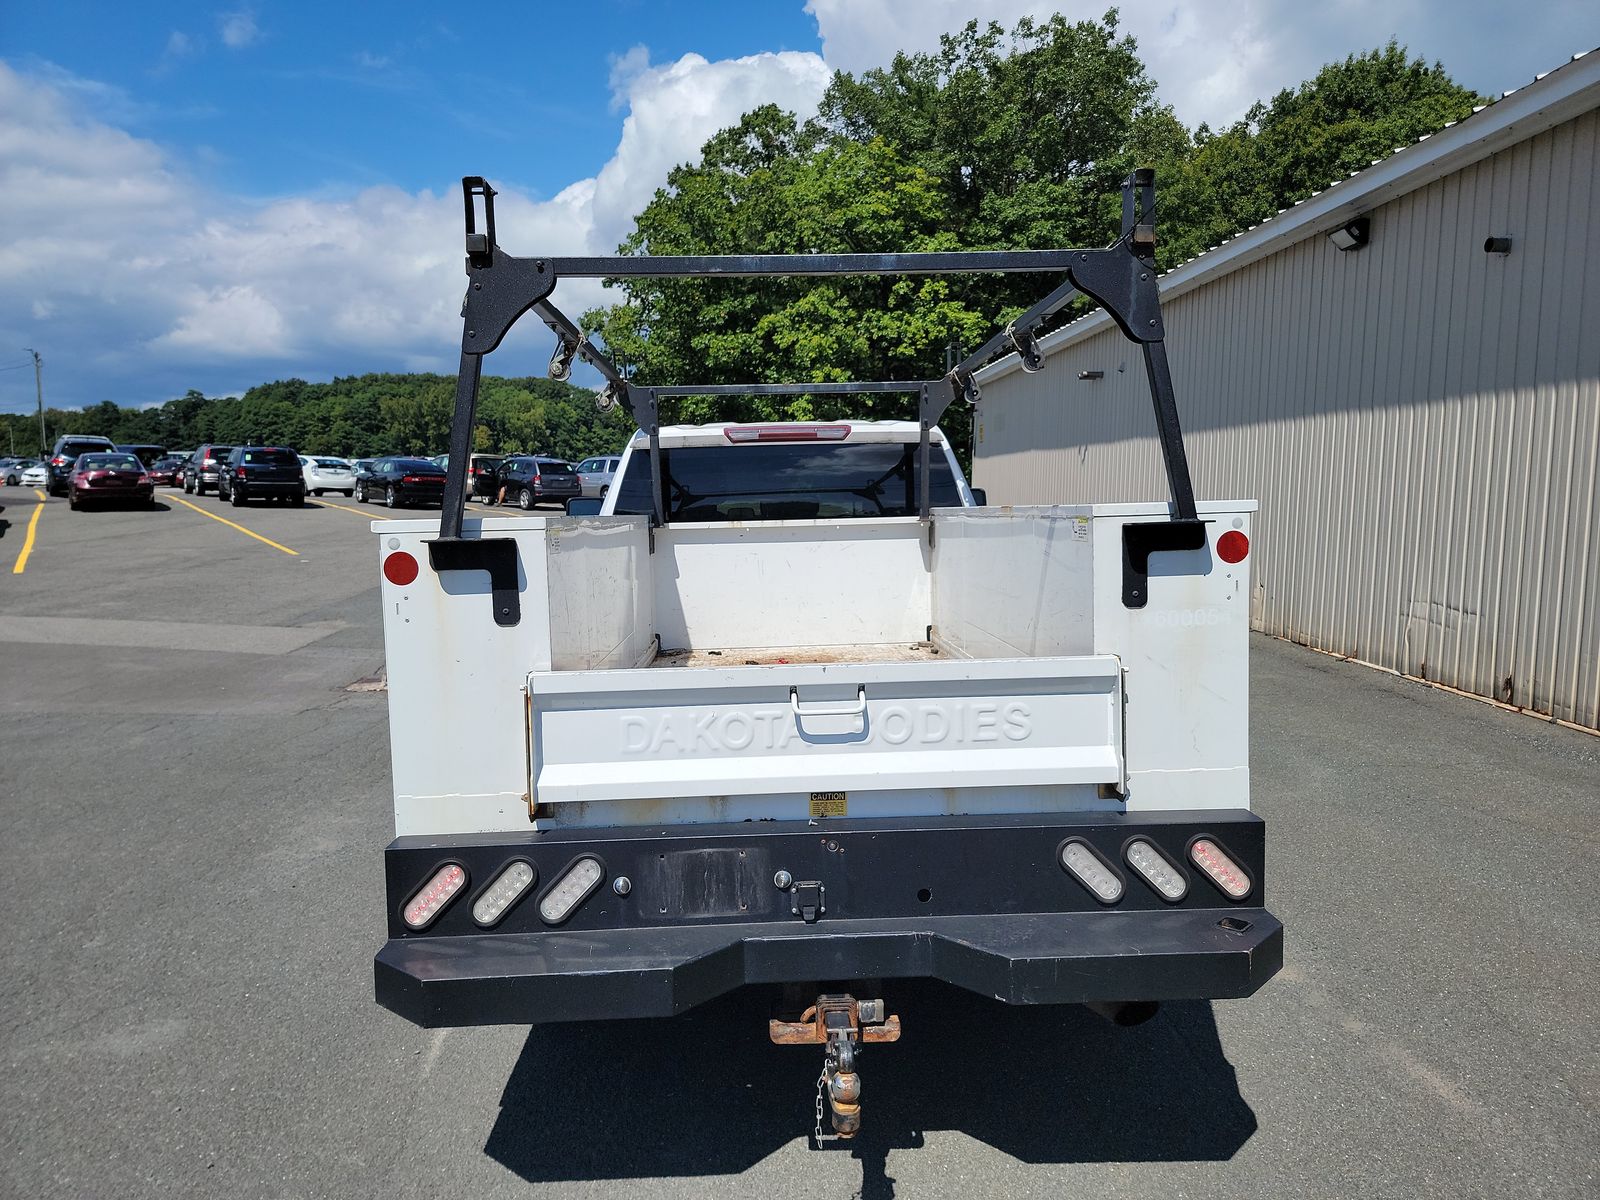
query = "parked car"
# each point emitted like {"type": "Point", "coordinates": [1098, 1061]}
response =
{"type": "Point", "coordinates": [16, 468]}
{"type": "Point", "coordinates": [36, 476]}
{"type": "Point", "coordinates": [65, 456]}
{"type": "Point", "coordinates": [148, 455]}
{"type": "Point", "coordinates": [167, 471]}
{"type": "Point", "coordinates": [261, 473]}
{"type": "Point", "coordinates": [100, 478]}
{"type": "Point", "coordinates": [595, 474]}
{"type": "Point", "coordinates": [528, 480]}
{"type": "Point", "coordinates": [482, 474]}
{"type": "Point", "coordinates": [323, 474]}
{"type": "Point", "coordinates": [399, 481]}
{"type": "Point", "coordinates": [200, 472]}
{"type": "Point", "coordinates": [362, 464]}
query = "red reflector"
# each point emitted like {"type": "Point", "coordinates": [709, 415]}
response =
{"type": "Point", "coordinates": [786, 433]}
{"type": "Point", "coordinates": [400, 569]}
{"type": "Point", "coordinates": [1233, 546]}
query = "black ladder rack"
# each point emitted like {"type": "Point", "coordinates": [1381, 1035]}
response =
{"type": "Point", "coordinates": [502, 287]}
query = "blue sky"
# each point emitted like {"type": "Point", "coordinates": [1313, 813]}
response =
{"type": "Point", "coordinates": [215, 195]}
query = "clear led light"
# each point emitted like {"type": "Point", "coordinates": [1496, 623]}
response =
{"type": "Point", "coordinates": [571, 890]}
{"type": "Point", "coordinates": [1085, 866]}
{"type": "Point", "coordinates": [435, 895]}
{"type": "Point", "coordinates": [1221, 869]}
{"type": "Point", "coordinates": [505, 891]}
{"type": "Point", "coordinates": [1157, 871]}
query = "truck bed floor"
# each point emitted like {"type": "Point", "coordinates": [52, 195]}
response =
{"type": "Point", "coordinates": [766, 656]}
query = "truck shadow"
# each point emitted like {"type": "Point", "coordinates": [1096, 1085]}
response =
{"type": "Point", "coordinates": [706, 1094]}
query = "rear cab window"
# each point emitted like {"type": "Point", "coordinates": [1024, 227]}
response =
{"type": "Point", "coordinates": [788, 482]}
{"type": "Point", "coordinates": [270, 458]}
{"type": "Point", "coordinates": [73, 448]}
{"type": "Point", "coordinates": [110, 462]}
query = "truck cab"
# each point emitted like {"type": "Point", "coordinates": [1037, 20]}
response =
{"type": "Point", "coordinates": [827, 470]}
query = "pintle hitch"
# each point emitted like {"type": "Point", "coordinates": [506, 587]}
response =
{"type": "Point", "coordinates": [841, 1024]}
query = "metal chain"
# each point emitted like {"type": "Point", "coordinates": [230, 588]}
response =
{"type": "Point", "coordinates": [828, 1060]}
{"type": "Point", "coordinates": [822, 1082]}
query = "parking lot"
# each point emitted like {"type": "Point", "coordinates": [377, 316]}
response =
{"type": "Point", "coordinates": [195, 785]}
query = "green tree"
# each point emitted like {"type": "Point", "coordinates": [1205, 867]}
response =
{"type": "Point", "coordinates": [1350, 114]}
{"type": "Point", "coordinates": [769, 186]}
{"type": "Point", "coordinates": [357, 416]}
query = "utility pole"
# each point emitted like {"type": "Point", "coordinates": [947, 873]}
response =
{"type": "Point", "coordinates": [38, 391]}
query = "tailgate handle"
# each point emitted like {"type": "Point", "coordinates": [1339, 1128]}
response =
{"type": "Point", "coordinates": [823, 710]}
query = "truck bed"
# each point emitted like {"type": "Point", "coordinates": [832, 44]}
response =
{"type": "Point", "coordinates": [876, 667]}
{"type": "Point", "coordinates": [771, 656]}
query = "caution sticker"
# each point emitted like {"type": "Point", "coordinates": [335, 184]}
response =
{"type": "Point", "coordinates": [829, 804]}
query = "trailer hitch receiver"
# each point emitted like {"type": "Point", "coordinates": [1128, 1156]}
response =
{"type": "Point", "coordinates": [840, 1024]}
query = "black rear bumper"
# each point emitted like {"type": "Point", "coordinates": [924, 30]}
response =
{"type": "Point", "coordinates": [979, 902]}
{"type": "Point", "coordinates": [1029, 959]}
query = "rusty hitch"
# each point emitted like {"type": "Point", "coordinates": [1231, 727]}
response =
{"type": "Point", "coordinates": [840, 1024]}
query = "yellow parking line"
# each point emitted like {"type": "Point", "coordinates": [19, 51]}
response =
{"type": "Point", "coordinates": [27, 541]}
{"type": "Point", "coordinates": [231, 525]}
{"type": "Point", "coordinates": [360, 512]}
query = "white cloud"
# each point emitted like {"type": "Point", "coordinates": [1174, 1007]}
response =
{"type": "Point", "coordinates": [179, 44]}
{"type": "Point", "coordinates": [674, 108]}
{"type": "Point", "coordinates": [110, 247]}
{"type": "Point", "coordinates": [238, 28]}
{"type": "Point", "coordinates": [128, 274]}
{"type": "Point", "coordinates": [1211, 66]}
{"type": "Point", "coordinates": [625, 69]}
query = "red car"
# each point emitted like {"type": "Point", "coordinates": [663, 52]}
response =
{"type": "Point", "coordinates": [167, 472]}
{"type": "Point", "coordinates": [99, 478]}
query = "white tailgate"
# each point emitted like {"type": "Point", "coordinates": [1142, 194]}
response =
{"type": "Point", "coordinates": [648, 734]}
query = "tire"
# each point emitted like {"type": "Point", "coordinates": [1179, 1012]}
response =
{"type": "Point", "coordinates": [11, 481]}
{"type": "Point", "coordinates": [299, 498]}
{"type": "Point", "coordinates": [72, 502]}
{"type": "Point", "coordinates": [188, 486]}
{"type": "Point", "coordinates": [235, 496]}
{"type": "Point", "coordinates": [347, 495]}
{"type": "Point", "coordinates": [525, 499]}
{"type": "Point", "coordinates": [391, 498]}
{"type": "Point", "coordinates": [360, 493]}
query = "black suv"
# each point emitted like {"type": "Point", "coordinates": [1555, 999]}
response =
{"type": "Point", "coordinates": [200, 472]}
{"type": "Point", "coordinates": [66, 454]}
{"type": "Point", "coordinates": [261, 473]}
{"type": "Point", "coordinates": [529, 480]}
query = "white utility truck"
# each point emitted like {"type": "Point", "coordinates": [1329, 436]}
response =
{"type": "Point", "coordinates": [796, 708]}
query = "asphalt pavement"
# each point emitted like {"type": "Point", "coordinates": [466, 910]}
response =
{"type": "Point", "coordinates": [195, 792]}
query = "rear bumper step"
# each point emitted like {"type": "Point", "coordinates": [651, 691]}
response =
{"type": "Point", "coordinates": [1020, 959]}
{"type": "Point", "coordinates": [904, 897]}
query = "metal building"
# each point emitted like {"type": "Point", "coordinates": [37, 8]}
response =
{"type": "Point", "coordinates": [1418, 415]}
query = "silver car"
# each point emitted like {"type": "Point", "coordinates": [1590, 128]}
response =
{"type": "Point", "coordinates": [326, 474]}
{"type": "Point", "coordinates": [595, 474]}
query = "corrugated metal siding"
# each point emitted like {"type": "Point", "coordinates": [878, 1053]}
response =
{"type": "Point", "coordinates": [1420, 421]}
